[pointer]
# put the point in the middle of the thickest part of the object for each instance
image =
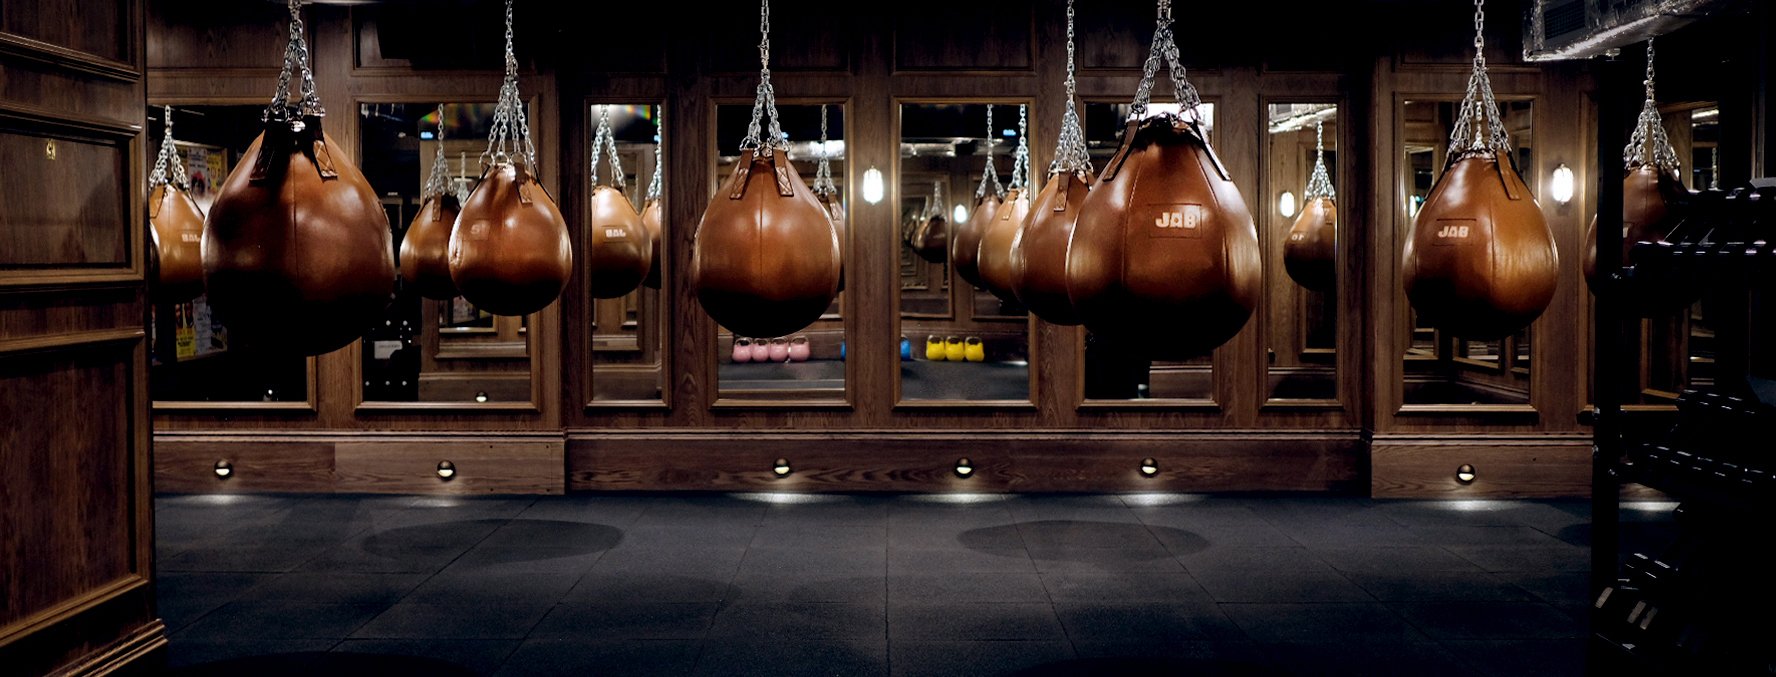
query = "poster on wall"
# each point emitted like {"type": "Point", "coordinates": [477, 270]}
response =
{"type": "Point", "coordinates": [206, 167]}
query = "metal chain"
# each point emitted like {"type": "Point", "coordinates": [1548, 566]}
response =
{"type": "Point", "coordinates": [657, 184]}
{"type": "Point", "coordinates": [766, 101]}
{"type": "Point", "coordinates": [169, 168]}
{"type": "Point", "coordinates": [1071, 154]}
{"type": "Point", "coordinates": [1478, 108]}
{"type": "Point", "coordinates": [439, 183]}
{"type": "Point", "coordinates": [938, 206]}
{"type": "Point", "coordinates": [1649, 145]}
{"type": "Point", "coordinates": [1020, 166]}
{"type": "Point", "coordinates": [989, 175]}
{"type": "Point", "coordinates": [823, 179]}
{"type": "Point", "coordinates": [295, 58]}
{"type": "Point", "coordinates": [605, 141]}
{"type": "Point", "coordinates": [1319, 184]}
{"type": "Point", "coordinates": [1165, 46]}
{"type": "Point", "coordinates": [509, 139]}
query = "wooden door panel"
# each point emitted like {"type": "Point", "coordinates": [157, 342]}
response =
{"type": "Point", "coordinates": [77, 213]}
{"type": "Point", "coordinates": [97, 27]}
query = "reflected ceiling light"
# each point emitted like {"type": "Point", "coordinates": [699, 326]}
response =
{"type": "Point", "coordinates": [957, 498]}
{"type": "Point", "coordinates": [781, 467]}
{"type": "Point", "coordinates": [1650, 506]}
{"type": "Point", "coordinates": [1475, 505]}
{"type": "Point", "coordinates": [1465, 474]}
{"type": "Point", "coordinates": [786, 498]}
{"type": "Point", "coordinates": [1152, 500]}
{"type": "Point", "coordinates": [873, 190]}
{"type": "Point", "coordinates": [224, 469]}
{"type": "Point", "coordinates": [1561, 188]}
{"type": "Point", "coordinates": [959, 214]}
{"type": "Point", "coordinates": [964, 467]}
{"type": "Point", "coordinates": [1286, 204]}
{"type": "Point", "coordinates": [1149, 467]}
{"type": "Point", "coordinates": [446, 470]}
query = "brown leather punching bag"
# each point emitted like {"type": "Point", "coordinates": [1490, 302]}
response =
{"type": "Point", "coordinates": [1164, 258]}
{"type": "Point", "coordinates": [965, 238]}
{"type": "Point", "coordinates": [297, 251]}
{"type": "Point", "coordinates": [994, 259]}
{"type": "Point", "coordinates": [1039, 256]}
{"type": "Point", "coordinates": [1646, 215]}
{"type": "Point", "coordinates": [650, 219]}
{"type": "Point", "coordinates": [766, 258]}
{"type": "Point", "coordinates": [1480, 263]}
{"type": "Point", "coordinates": [931, 238]}
{"type": "Point", "coordinates": [425, 250]}
{"type": "Point", "coordinates": [510, 253]}
{"type": "Point", "coordinates": [1310, 253]}
{"type": "Point", "coordinates": [176, 226]}
{"type": "Point", "coordinates": [835, 211]}
{"type": "Point", "coordinates": [621, 252]}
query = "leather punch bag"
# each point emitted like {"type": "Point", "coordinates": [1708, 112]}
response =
{"type": "Point", "coordinates": [510, 253]}
{"type": "Point", "coordinates": [827, 193]}
{"type": "Point", "coordinates": [652, 211]}
{"type": "Point", "coordinates": [1164, 259]}
{"type": "Point", "coordinates": [175, 226]}
{"type": "Point", "coordinates": [1310, 252]}
{"type": "Point", "coordinates": [994, 260]}
{"type": "Point", "coordinates": [297, 251]}
{"type": "Point", "coordinates": [965, 237]}
{"type": "Point", "coordinates": [620, 252]}
{"type": "Point", "coordinates": [1480, 262]}
{"type": "Point", "coordinates": [425, 249]}
{"type": "Point", "coordinates": [930, 239]}
{"type": "Point", "coordinates": [765, 259]}
{"type": "Point", "coordinates": [1039, 255]}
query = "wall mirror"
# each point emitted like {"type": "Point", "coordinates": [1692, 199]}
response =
{"type": "Point", "coordinates": [192, 362]}
{"type": "Point", "coordinates": [958, 342]}
{"type": "Point", "coordinates": [1301, 222]}
{"type": "Point", "coordinates": [1111, 376]}
{"type": "Point", "coordinates": [629, 332]}
{"type": "Point", "coordinates": [436, 351]}
{"type": "Point", "coordinates": [1440, 369]}
{"type": "Point", "coordinates": [807, 367]}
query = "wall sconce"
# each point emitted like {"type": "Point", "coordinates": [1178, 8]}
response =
{"type": "Point", "coordinates": [446, 470]}
{"type": "Point", "coordinates": [1286, 204]}
{"type": "Point", "coordinates": [481, 397]}
{"type": "Point", "coordinates": [1465, 474]}
{"type": "Point", "coordinates": [959, 214]}
{"type": "Point", "coordinates": [224, 469]}
{"type": "Point", "coordinates": [1561, 188]}
{"type": "Point", "coordinates": [1149, 467]}
{"type": "Point", "coordinates": [964, 467]}
{"type": "Point", "coordinates": [781, 467]}
{"type": "Point", "coordinates": [873, 190]}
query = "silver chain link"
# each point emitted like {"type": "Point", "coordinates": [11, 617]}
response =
{"type": "Point", "coordinates": [605, 141]}
{"type": "Point", "coordinates": [1478, 108]}
{"type": "Point", "coordinates": [1649, 145]}
{"type": "Point", "coordinates": [1319, 184]}
{"type": "Point", "coordinates": [1071, 154]}
{"type": "Point", "coordinates": [938, 206]}
{"type": "Point", "coordinates": [1020, 166]}
{"type": "Point", "coordinates": [766, 101]}
{"type": "Point", "coordinates": [989, 175]}
{"type": "Point", "coordinates": [440, 182]}
{"type": "Point", "coordinates": [295, 58]}
{"type": "Point", "coordinates": [169, 168]}
{"type": "Point", "coordinates": [1165, 47]}
{"type": "Point", "coordinates": [509, 139]}
{"type": "Point", "coordinates": [823, 178]}
{"type": "Point", "coordinates": [657, 184]}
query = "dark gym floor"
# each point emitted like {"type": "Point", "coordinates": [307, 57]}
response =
{"type": "Point", "coordinates": [777, 584]}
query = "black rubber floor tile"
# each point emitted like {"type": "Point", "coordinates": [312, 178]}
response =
{"type": "Point", "coordinates": [1123, 587]}
{"type": "Point", "coordinates": [776, 658]}
{"type": "Point", "coordinates": [1275, 623]}
{"type": "Point", "coordinates": [966, 587]}
{"type": "Point", "coordinates": [582, 657]}
{"type": "Point", "coordinates": [816, 586]}
{"type": "Point", "coordinates": [924, 622]}
{"type": "Point", "coordinates": [975, 658]}
{"type": "Point", "coordinates": [636, 620]}
{"type": "Point", "coordinates": [281, 619]}
{"type": "Point", "coordinates": [916, 561]}
{"type": "Point", "coordinates": [1255, 558]}
{"type": "Point", "coordinates": [409, 620]}
{"type": "Point", "coordinates": [1386, 559]}
{"type": "Point", "coordinates": [801, 621]}
{"type": "Point", "coordinates": [1491, 620]}
{"type": "Point", "coordinates": [1440, 586]}
{"type": "Point", "coordinates": [1149, 624]}
{"type": "Point", "coordinates": [480, 656]}
{"type": "Point", "coordinates": [1228, 585]}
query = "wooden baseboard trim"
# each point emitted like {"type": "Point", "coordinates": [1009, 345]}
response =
{"type": "Point", "coordinates": [1505, 466]}
{"type": "Point", "coordinates": [134, 654]}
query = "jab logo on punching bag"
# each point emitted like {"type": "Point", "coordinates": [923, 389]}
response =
{"type": "Point", "coordinates": [1178, 220]}
{"type": "Point", "coordinates": [615, 233]}
{"type": "Point", "coordinates": [1456, 231]}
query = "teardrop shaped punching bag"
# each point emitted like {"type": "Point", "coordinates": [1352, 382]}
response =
{"type": "Point", "coordinates": [1310, 252]}
{"type": "Point", "coordinates": [965, 238]}
{"type": "Point", "coordinates": [1039, 256]}
{"type": "Point", "coordinates": [994, 260]}
{"type": "Point", "coordinates": [765, 260]}
{"type": "Point", "coordinates": [510, 253]}
{"type": "Point", "coordinates": [1164, 258]}
{"type": "Point", "coordinates": [297, 250]}
{"type": "Point", "coordinates": [425, 250]}
{"type": "Point", "coordinates": [931, 238]}
{"type": "Point", "coordinates": [1647, 196]}
{"type": "Point", "coordinates": [1480, 263]}
{"type": "Point", "coordinates": [650, 219]}
{"type": "Point", "coordinates": [835, 212]}
{"type": "Point", "coordinates": [620, 253]}
{"type": "Point", "coordinates": [176, 227]}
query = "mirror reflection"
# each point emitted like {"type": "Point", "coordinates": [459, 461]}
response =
{"type": "Point", "coordinates": [1302, 228]}
{"type": "Point", "coordinates": [1677, 349]}
{"type": "Point", "coordinates": [1114, 375]}
{"type": "Point", "coordinates": [1440, 369]}
{"type": "Point", "coordinates": [434, 346]}
{"type": "Point", "coordinates": [958, 341]}
{"type": "Point", "coordinates": [810, 364]}
{"type": "Point", "coordinates": [190, 356]}
{"type": "Point", "coordinates": [628, 332]}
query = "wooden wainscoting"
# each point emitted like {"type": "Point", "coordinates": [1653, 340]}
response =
{"type": "Point", "coordinates": [1505, 466]}
{"type": "Point", "coordinates": [359, 462]}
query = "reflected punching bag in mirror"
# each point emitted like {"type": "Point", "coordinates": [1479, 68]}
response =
{"type": "Point", "coordinates": [653, 207]}
{"type": "Point", "coordinates": [509, 252]}
{"type": "Point", "coordinates": [1652, 199]}
{"type": "Point", "coordinates": [619, 253]}
{"type": "Point", "coordinates": [827, 193]}
{"type": "Point", "coordinates": [297, 251]}
{"type": "Point", "coordinates": [1310, 253]}
{"type": "Point", "coordinates": [1164, 259]}
{"type": "Point", "coordinates": [1039, 256]}
{"type": "Point", "coordinates": [1480, 262]}
{"type": "Point", "coordinates": [930, 238]}
{"type": "Point", "coordinates": [994, 260]}
{"type": "Point", "coordinates": [425, 249]}
{"type": "Point", "coordinates": [765, 259]}
{"type": "Point", "coordinates": [965, 237]}
{"type": "Point", "coordinates": [175, 225]}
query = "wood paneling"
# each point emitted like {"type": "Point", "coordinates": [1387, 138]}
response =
{"type": "Point", "coordinates": [941, 35]}
{"type": "Point", "coordinates": [75, 215]}
{"type": "Point", "coordinates": [1505, 466]}
{"type": "Point", "coordinates": [364, 463]}
{"type": "Point", "coordinates": [102, 28]}
{"type": "Point", "coordinates": [194, 35]}
{"type": "Point", "coordinates": [186, 465]}
{"type": "Point", "coordinates": [482, 467]}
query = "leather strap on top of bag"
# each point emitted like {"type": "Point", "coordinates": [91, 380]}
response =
{"type": "Point", "coordinates": [1319, 183]}
{"type": "Point", "coordinates": [1649, 146]}
{"type": "Point", "coordinates": [656, 185]}
{"type": "Point", "coordinates": [605, 141]}
{"type": "Point", "coordinates": [508, 141]}
{"type": "Point", "coordinates": [990, 174]}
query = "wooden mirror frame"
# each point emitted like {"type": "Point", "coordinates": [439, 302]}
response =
{"type": "Point", "coordinates": [1343, 162]}
{"type": "Point", "coordinates": [662, 333]}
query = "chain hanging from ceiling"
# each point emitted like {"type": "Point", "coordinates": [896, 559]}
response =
{"type": "Point", "coordinates": [295, 59]}
{"type": "Point", "coordinates": [1319, 184]}
{"type": "Point", "coordinates": [765, 103]}
{"type": "Point", "coordinates": [509, 139]}
{"type": "Point", "coordinates": [1478, 129]}
{"type": "Point", "coordinates": [1020, 166]}
{"type": "Point", "coordinates": [605, 141]}
{"type": "Point", "coordinates": [1649, 145]}
{"type": "Point", "coordinates": [440, 182]}
{"type": "Point", "coordinates": [657, 183]}
{"type": "Point", "coordinates": [169, 169]}
{"type": "Point", "coordinates": [1071, 154]}
{"type": "Point", "coordinates": [1165, 48]}
{"type": "Point", "coordinates": [989, 175]}
{"type": "Point", "coordinates": [823, 178]}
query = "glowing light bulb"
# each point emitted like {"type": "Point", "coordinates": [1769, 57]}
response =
{"type": "Point", "coordinates": [1561, 188]}
{"type": "Point", "coordinates": [873, 189]}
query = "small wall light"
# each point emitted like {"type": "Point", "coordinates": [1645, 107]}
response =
{"type": "Point", "coordinates": [1465, 474]}
{"type": "Point", "coordinates": [1149, 467]}
{"type": "Point", "coordinates": [873, 190]}
{"type": "Point", "coordinates": [1286, 204]}
{"type": "Point", "coordinates": [481, 397]}
{"type": "Point", "coordinates": [1561, 188]}
{"type": "Point", "coordinates": [446, 470]}
{"type": "Point", "coordinates": [224, 469]}
{"type": "Point", "coordinates": [959, 214]}
{"type": "Point", "coordinates": [781, 467]}
{"type": "Point", "coordinates": [964, 467]}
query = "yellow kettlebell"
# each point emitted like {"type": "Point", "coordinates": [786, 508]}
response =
{"type": "Point", "coordinates": [953, 350]}
{"type": "Point", "coordinates": [974, 350]}
{"type": "Point", "coordinates": [934, 348]}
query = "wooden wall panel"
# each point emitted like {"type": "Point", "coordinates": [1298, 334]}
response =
{"type": "Point", "coordinates": [75, 215]}
{"type": "Point", "coordinates": [194, 35]}
{"type": "Point", "coordinates": [189, 466]}
{"type": "Point", "coordinates": [1538, 466]}
{"type": "Point", "coordinates": [364, 463]}
{"type": "Point", "coordinates": [482, 467]}
{"type": "Point", "coordinates": [941, 35]}
{"type": "Point", "coordinates": [102, 28]}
